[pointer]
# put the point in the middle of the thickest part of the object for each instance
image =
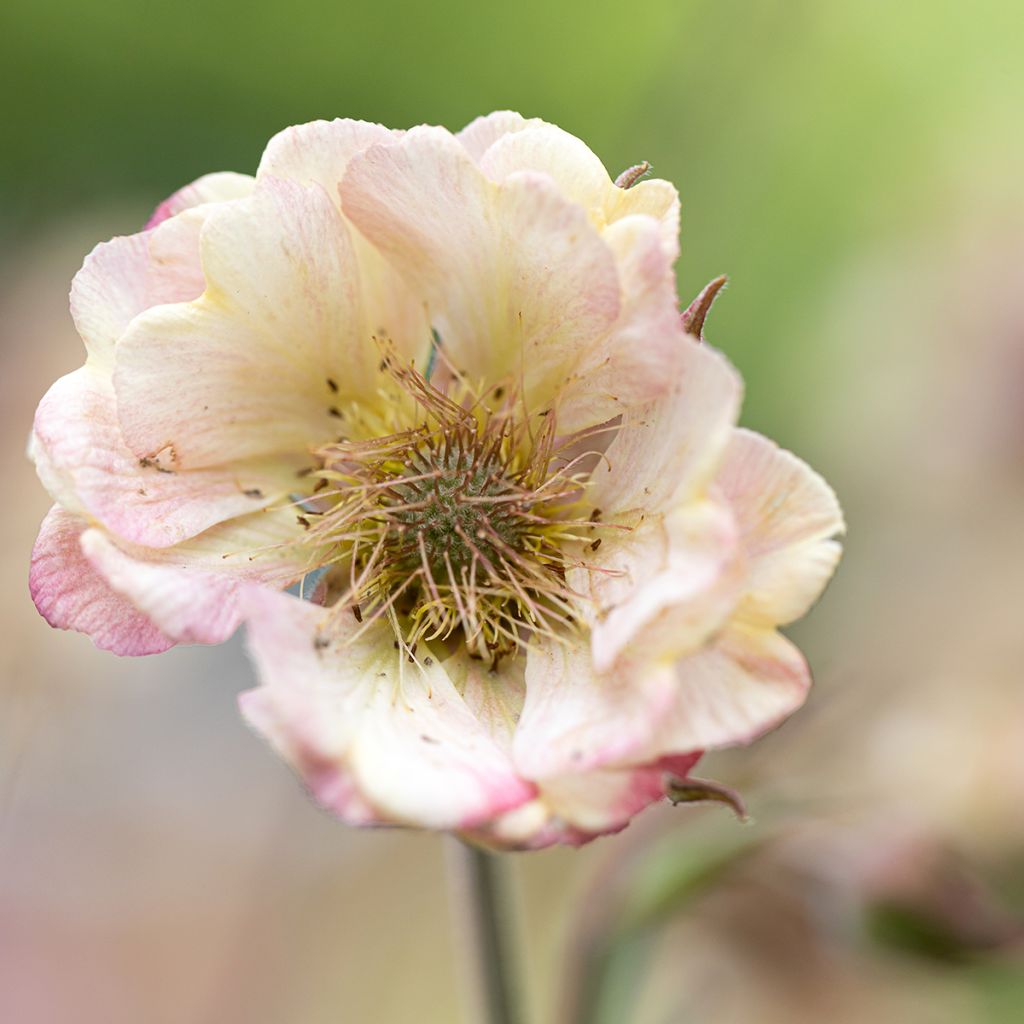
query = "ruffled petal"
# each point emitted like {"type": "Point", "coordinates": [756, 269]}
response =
{"type": "Point", "coordinates": [735, 690]}
{"type": "Point", "coordinates": [398, 733]}
{"type": "Point", "coordinates": [125, 276]}
{"type": "Point", "coordinates": [654, 198]}
{"type": "Point", "coordinates": [191, 591]}
{"type": "Point", "coordinates": [582, 177]}
{"type": "Point", "coordinates": [482, 132]}
{"type": "Point", "coordinates": [257, 364]}
{"type": "Point", "coordinates": [573, 809]}
{"type": "Point", "coordinates": [219, 187]}
{"type": "Point", "coordinates": [668, 450]}
{"type": "Point", "coordinates": [86, 466]}
{"type": "Point", "coordinates": [544, 148]}
{"type": "Point", "coordinates": [665, 588]}
{"type": "Point", "coordinates": [788, 518]}
{"type": "Point", "coordinates": [517, 281]}
{"type": "Point", "coordinates": [646, 346]}
{"type": "Point", "coordinates": [575, 719]}
{"type": "Point", "coordinates": [494, 695]}
{"type": "Point", "coordinates": [318, 153]}
{"type": "Point", "coordinates": [70, 594]}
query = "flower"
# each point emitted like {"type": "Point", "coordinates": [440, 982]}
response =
{"type": "Point", "coordinates": [438, 385]}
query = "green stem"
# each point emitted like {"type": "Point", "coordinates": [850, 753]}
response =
{"type": "Point", "coordinates": [481, 901]}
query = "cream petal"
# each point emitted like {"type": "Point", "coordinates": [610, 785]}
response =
{"type": "Point", "coordinates": [494, 695]}
{"type": "Point", "coordinates": [582, 177]}
{"type": "Point", "coordinates": [748, 681]}
{"type": "Point", "coordinates": [643, 352]}
{"type": "Point", "coordinates": [70, 594]}
{"type": "Point", "coordinates": [654, 198]}
{"type": "Point", "coordinates": [575, 169]}
{"type": "Point", "coordinates": [667, 451]}
{"type": "Point", "coordinates": [191, 591]}
{"type": "Point", "coordinates": [788, 518]}
{"type": "Point", "coordinates": [247, 369]}
{"type": "Point", "coordinates": [517, 281]}
{"type": "Point", "coordinates": [86, 466]}
{"type": "Point", "coordinates": [575, 720]}
{"type": "Point", "coordinates": [574, 809]}
{"type": "Point", "coordinates": [596, 803]}
{"type": "Point", "coordinates": [398, 732]}
{"type": "Point", "coordinates": [317, 153]}
{"type": "Point", "coordinates": [482, 132]}
{"type": "Point", "coordinates": [665, 588]}
{"type": "Point", "coordinates": [125, 276]}
{"type": "Point", "coordinates": [219, 187]}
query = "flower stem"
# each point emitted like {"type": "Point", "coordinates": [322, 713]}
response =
{"type": "Point", "coordinates": [480, 899]}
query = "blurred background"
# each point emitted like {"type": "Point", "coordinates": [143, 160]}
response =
{"type": "Point", "coordinates": [858, 171]}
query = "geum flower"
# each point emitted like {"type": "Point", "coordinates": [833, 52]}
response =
{"type": "Point", "coordinates": [441, 383]}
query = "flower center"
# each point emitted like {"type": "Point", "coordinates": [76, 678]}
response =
{"type": "Point", "coordinates": [455, 529]}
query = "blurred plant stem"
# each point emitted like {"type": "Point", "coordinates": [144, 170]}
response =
{"type": "Point", "coordinates": [483, 914]}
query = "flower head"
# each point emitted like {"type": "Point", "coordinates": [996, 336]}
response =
{"type": "Point", "coordinates": [440, 386]}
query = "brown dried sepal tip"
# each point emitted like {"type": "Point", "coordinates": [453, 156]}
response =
{"type": "Point", "coordinates": [631, 175]}
{"type": "Point", "coordinates": [696, 312]}
{"type": "Point", "coordinates": [690, 791]}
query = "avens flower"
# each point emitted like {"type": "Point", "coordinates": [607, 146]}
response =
{"type": "Point", "coordinates": [440, 387]}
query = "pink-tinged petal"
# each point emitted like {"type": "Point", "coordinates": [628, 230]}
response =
{"type": "Point", "coordinates": [191, 591]}
{"type": "Point", "coordinates": [86, 466]}
{"type": "Point", "coordinates": [517, 281]}
{"type": "Point", "coordinates": [494, 696]}
{"type": "Point", "coordinates": [251, 367]}
{"type": "Point", "coordinates": [643, 351]}
{"type": "Point", "coordinates": [481, 133]}
{"type": "Point", "coordinates": [748, 681]}
{"type": "Point", "coordinates": [125, 276]}
{"type": "Point", "coordinates": [582, 177]}
{"type": "Point", "coordinates": [569, 162]}
{"type": "Point", "coordinates": [654, 198]}
{"type": "Point", "coordinates": [219, 187]}
{"type": "Point", "coordinates": [788, 518]}
{"type": "Point", "coordinates": [399, 734]}
{"type": "Point", "coordinates": [575, 719]}
{"type": "Point", "coordinates": [668, 450]}
{"type": "Point", "coordinates": [318, 153]}
{"type": "Point", "coordinates": [664, 589]}
{"type": "Point", "coordinates": [70, 594]}
{"type": "Point", "coordinates": [574, 809]}
{"type": "Point", "coordinates": [597, 803]}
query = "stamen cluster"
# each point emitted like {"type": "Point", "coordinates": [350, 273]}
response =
{"type": "Point", "coordinates": [456, 528]}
